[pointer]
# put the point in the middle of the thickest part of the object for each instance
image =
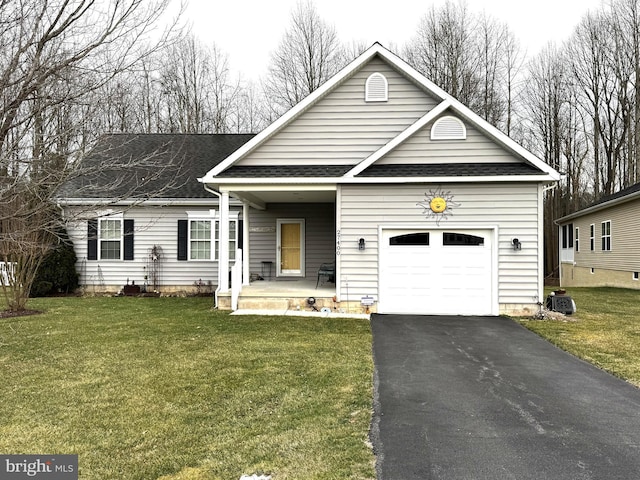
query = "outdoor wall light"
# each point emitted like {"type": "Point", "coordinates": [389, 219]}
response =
{"type": "Point", "coordinates": [361, 244]}
{"type": "Point", "coordinates": [516, 244]}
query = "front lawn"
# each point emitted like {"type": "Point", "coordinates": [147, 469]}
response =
{"type": "Point", "coordinates": [166, 388]}
{"type": "Point", "coordinates": [605, 330]}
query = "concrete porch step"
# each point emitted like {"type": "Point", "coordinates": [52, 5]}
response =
{"type": "Point", "coordinates": [285, 303]}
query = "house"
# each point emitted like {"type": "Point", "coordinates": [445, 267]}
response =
{"type": "Point", "coordinates": [129, 211]}
{"type": "Point", "coordinates": [418, 204]}
{"type": "Point", "coordinates": [599, 244]}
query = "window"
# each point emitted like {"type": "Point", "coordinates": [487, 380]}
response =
{"type": "Point", "coordinates": [410, 239]}
{"type": "Point", "coordinates": [635, 275]}
{"type": "Point", "coordinates": [200, 240]}
{"type": "Point", "coordinates": [606, 236]}
{"type": "Point", "coordinates": [577, 244]}
{"type": "Point", "coordinates": [461, 239]}
{"type": "Point", "coordinates": [567, 236]}
{"type": "Point", "coordinates": [110, 238]}
{"type": "Point", "coordinates": [448, 128]}
{"type": "Point", "coordinates": [376, 88]}
{"type": "Point", "coordinates": [592, 237]}
{"type": "Point", "coordinates": [199, 237]}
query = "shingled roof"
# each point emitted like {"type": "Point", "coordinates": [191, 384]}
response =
{"type": "Point", "coordinates": [628, 194]}
{"type": "Point", "coordinates": [158, 165]}
{"type": "Point", "coordinates": [396, 170]}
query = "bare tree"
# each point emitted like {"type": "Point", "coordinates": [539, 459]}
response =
{"type": "Point", "coordinates": [603, 86]}
{"type": "Point", "coordinates": [307, 56]}
{"type": "Point", "coordinates": [443, 50]}
{"type": "Point", "coordinates": [473, 57]}
{"type": "Point", "coordinates": [56, 54]}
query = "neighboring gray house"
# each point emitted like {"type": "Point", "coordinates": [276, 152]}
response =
{"type": "Point", "coordinates": [128, 215]}
{"type": "Point", "coordinates": [599, 244]}
{"type": "Point", "coordinates": [422, 206]}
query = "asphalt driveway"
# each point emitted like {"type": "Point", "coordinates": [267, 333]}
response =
{"type": "Point", "coordinates": [484, 398]}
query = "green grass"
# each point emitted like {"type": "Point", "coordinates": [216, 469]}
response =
{"type": "Point", "coordinates": [148, 388]}
{"type": "Point", "coordinates": [605, 330]}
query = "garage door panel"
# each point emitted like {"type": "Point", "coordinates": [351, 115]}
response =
{"type": "Point", "coordinates": [450, 275]}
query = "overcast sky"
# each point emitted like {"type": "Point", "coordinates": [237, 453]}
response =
{"type": "Point", "coordinates": [249, 30]}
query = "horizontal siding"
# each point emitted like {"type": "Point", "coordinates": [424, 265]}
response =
{"type": "Point", "coordinates": [625, 232]}
{"type": "Point", "coordinates": [344, 129]}
{"type": "Point", "coordinates": [153, 226]}
{"type": "Point", "coordinates": [511, 207]}
{"type": "Point", "coordinates": [419, 148]}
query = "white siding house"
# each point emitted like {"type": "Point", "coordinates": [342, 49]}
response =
{"type": "Point", "coordinates": [422, 206]}
{"type": "Point", "coordinates": [161, 233]}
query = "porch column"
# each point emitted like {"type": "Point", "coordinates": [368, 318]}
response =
{"type": "Point", "coordinates": [245, 243]}
{"type": "Point", "coordinates": [223, 244]}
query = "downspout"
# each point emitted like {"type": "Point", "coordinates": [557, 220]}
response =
{"type": "Point", "coordinates": [215, 294]}
{"type": "Point", "coordinates": [541, 237]}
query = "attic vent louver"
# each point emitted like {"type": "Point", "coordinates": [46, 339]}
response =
{"type": "Point", "coordinates": [376, 88]}
{"type": "Point", "coordinates": [448, 128]}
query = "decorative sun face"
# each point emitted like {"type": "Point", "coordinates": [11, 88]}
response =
{"type": "Point", "coordinates": [437, 204]}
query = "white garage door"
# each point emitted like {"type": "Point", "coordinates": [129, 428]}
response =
{"type": "Point", "coordinates": [436, 272]}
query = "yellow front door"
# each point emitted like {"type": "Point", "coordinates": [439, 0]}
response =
{"type": "Point", "coordinates": [291, 241]}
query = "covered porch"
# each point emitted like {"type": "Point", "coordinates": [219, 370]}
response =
{"type": "Point", "coordinates": [286, 239]}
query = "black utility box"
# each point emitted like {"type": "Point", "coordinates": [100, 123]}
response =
{"type": "Point", "coordinates": [561, 303]}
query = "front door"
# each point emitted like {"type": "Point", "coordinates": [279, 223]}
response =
{"type": "Point", "coordinates": [290, 254]}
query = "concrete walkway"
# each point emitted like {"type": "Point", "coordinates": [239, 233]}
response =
{"type": "Point", "coordinates": [483, 398]}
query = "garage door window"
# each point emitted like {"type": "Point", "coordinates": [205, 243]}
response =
{"type": "Point", "coordinates": [454, 239]}
{"type": "Point", "coordinates": [410, 239]}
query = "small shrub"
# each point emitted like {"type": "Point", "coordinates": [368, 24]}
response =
{"type": "Point", "coordinates": [57, 273]}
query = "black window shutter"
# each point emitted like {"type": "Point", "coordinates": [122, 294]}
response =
{"type": "Point", "coordinates": [183, 225]}
{"type": "Point", "coordinates": [240, 234]}
{"type": "Point", "coordinates": [92, 239]}
{"type": "Point", "coordinates": [128, 239]}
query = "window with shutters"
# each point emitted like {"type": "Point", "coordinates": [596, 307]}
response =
{"type": "Point", "coordinates": [110, 238]}
{"type": "Point", "coordinates": [110, 234]}
{"type": "Point", "coordinates": [376, 88]}
{"type": "Point", "coordinates": [448, 128]}
{"type": "Point", "coordinates": [199, 237]}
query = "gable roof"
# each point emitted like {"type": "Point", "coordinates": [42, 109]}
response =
{"type": "Point", "coordinates": [161, 166]}
{"type": "Point", "coordinates": [447, 102]}
{"type": "Point", "coordinates": [623, 196]}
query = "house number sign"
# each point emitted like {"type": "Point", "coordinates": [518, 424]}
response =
{"type": "Point", "coordinates": [337, 242]}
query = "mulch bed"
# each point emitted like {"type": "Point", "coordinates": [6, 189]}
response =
{"type": "Point", "coordinates": [19, 313]}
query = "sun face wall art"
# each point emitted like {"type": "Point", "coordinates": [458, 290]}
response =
{"type": "Point", "coordinates": [438, 205]}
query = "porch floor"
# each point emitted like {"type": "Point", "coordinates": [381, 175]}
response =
{"type": "Point", "coordinates": [285, 296]}
{"type": "Point", "coordinates": [289, 287]}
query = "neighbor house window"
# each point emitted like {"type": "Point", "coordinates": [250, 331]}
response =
{"type": "Point", "coordinates": [567, 236]}
{"type": "Point", "coordinates": [110, 238]}
{"type": "Point", "coordinates": [577, 243]}
{"type": "Point", "coordinates": [606, 236]}
{"type": "Point", "coordinates": [635, 275]}
{"type": "Point", "coordinates": [592, 237]}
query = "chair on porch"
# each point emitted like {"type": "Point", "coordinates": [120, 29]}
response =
{"type": "Point", "coordinates": [327, 271]}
